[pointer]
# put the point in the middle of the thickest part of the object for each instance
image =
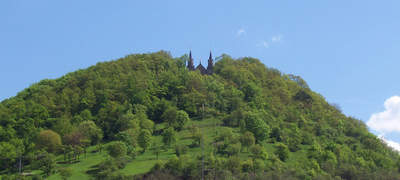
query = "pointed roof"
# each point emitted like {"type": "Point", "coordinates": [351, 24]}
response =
{"type": "Point", "coordinates": [201, 68]}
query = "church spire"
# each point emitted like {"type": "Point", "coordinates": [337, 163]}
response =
{"type": "Point", "coordinates": [210, 66]}
{"type": "Point", "coordinates": [190, 65]}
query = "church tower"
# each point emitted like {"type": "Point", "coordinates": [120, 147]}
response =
{"type": "Point", "coordinates": [190, 65]}
{"type": "Point", "coordinates": [210, 66]}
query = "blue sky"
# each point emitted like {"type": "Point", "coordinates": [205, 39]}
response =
{"type": "Point", "coordinates": [346, 50]}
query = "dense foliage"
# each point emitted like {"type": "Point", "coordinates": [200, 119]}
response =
{"type": "Point", "coordinates": [254, 107]}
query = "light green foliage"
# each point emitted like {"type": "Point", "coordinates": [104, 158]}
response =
{"type": "Point", "coordinates": [256, 125]}
{"type": "Point", "coordinates": [144, 139]}
{"type": "Point", "coordinates": [91, 131]}
{"type": "Point", "coordinates": [48, 140]}
{"type": "Point", "coordinates": [136, 98]}
{"type": "Point", "coordinates": [65, 173]}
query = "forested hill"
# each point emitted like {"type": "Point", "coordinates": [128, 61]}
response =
{"type": "Point", "coordinates": [148, 111]}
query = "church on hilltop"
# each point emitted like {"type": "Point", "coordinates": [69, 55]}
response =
{"type": "Point", "coordinates": [200, 67]}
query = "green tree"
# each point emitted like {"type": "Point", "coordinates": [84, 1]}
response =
{"type": "Point", "coordinates": [47, 163]}
{"type": "Point", "coordinates": [181, 119]}
{"type": "Point", "coordinates": [48, 140]}
{"type": "Point", "coordinates": [282, 151]}
{"type": "Point", "coordinates": [247, 139]}
{"type": "Point", "coordinates": [256, 125]}
{"type": "Point", "coordinates": [144, 139]}
{"type": "Point", "coordinates": [258, 152]}
{"type": "Point", "coordinates": [90, 130]}
{"type": "Point", "coordinates": [169, 136]}
{"type": "Point", "coordinates": [117, 149]}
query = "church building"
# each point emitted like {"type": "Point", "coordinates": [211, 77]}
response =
{"type": "Point", "coordinates": [200, 67]}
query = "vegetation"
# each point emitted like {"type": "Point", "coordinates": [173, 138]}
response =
{"type": "Point", "coordinates": [157, 120]}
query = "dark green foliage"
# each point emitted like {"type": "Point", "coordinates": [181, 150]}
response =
{"type": "Point", "coordinates": [258, 152]}
{"type": "Point", "coordinates": [282, 151]}
{"type": "Point", "coordinates": [116, 149]}
{"type": "Point", "coordinates": [47, 163]}
{"type": "Point", "coordinates": [181, 149]}
{"type": "Point", "coordinates": [247, 139]}
{"type": "Point", "coordinates": [169, 136]}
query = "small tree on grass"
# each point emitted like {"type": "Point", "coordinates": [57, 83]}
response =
{"type": "Point", "coordinates": [156, 150]}
{"type": "Point", "coordinates": [282, 151]}
{"type": "Point", "coordinates": [47, 163]}
{"type": "Point", "coordinates": [169, 136]}
{"type": "Point", "coordinates": [117, 149]}
{"type": "Point", "coordinates": [144, 139]}
{"type": "Point", "coordinates": [65, 173]}
{"type": "Point", "coordinates": [258, 152]}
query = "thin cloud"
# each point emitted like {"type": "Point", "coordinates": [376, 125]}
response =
{"type": "Point", "coordinates": [388, 120]}
{"type": "Point", "coordinates": [277, 38]}
{"type": "Point", "coordinates": [240, 32]}
{"type": "Point", "coordinates": [264, 44]}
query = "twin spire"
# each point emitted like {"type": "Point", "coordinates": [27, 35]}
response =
{"type": "Point", "coordinates": [200, 67]}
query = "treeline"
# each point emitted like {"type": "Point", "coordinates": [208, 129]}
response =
{"type": "Point", "coordinates": [122, 101]}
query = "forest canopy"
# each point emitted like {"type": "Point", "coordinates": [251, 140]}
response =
{"type": "Point", "coordinates": [268, 124]}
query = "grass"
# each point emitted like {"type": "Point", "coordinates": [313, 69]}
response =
{"type": "Point", "coordinates": [144, 162]}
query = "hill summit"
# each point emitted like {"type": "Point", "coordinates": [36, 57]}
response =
{"type": "Point", "coordinates": [150, 116]}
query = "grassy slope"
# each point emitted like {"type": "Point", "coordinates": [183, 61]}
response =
{"type": "Point", "coordinates": [144, 162]}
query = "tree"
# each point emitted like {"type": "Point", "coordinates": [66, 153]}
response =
{"type": "Point", "coordinates": [144, 139]}
{"type": "Point", "coordinates": [8, 154]}
{"type": "Point", "coordinates": [258, 152]}
{"type": "Point", "coordinates": [282, 151]}
{"type": "Point", "coordinates": [91, 131]}
{"type": "Point", "coordinates": [65, 173]}
{"type": "Point", "coordinates": [129, 137]}
{"type": "Point", "coordinates": [117, 149]}
{"type": "Point", "coordinates": [47, 163]}
{"type": "Point", "coordinates": [233, 149]}
{"type": "Point", "coordinates": [48, 140]}
{"type": "Point", "coordinates": [156, 150]}
{"type": "Point", "coordinates": [181, 119]}
{"type": "Point", "coordinates": [256, 125]}
{"type": "Point", "coordinates": [174, 118]}
{"type": "Point", "coordinates": [247, 139]}
{"type": "Point", "coordinates": [169, 136]}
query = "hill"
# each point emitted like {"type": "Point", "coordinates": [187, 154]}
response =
{"type": "Point", "coordinates": [146, 116]}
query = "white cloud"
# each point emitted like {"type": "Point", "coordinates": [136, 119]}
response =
{"type": "Point", "coordinates": [392, 144]}
{"type": "Point", "coordinates": [264, 44]}
{"type": "Point", "coordinates": [388, 120]}
{"type": "Point", "coordinates": [241, 32]}
{"type": "Point", "coordinates": [277, 38]}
